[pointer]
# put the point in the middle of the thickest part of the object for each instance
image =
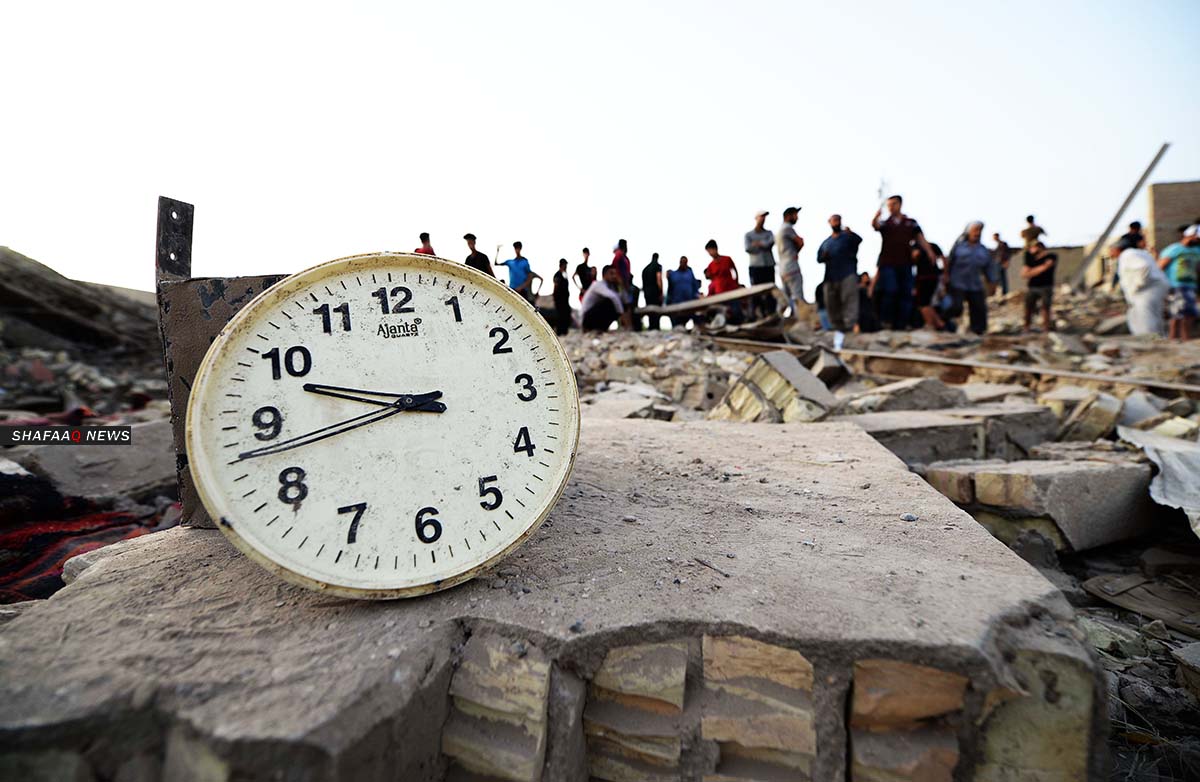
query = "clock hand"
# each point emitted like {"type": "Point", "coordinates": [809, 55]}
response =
{"type": "Point", "coordinates": [324, 432]}
{"type": "Point", "coordinates": [422, 402]}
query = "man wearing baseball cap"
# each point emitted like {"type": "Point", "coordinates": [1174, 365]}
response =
{"type": "Point", "coordinates": [1181, 262]}
{"type": "Point", "coordinates": [760, 245]}
{"type": "Point", "coordinates": [790, 245]}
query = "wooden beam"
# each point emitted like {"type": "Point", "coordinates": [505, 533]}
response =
{"type": "Point", "coordinates": [963, 368]}
{"type": "Point", "coordinates": [704, 302]}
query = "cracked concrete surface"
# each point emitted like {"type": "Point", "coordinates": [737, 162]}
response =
{"type": "Point", "coordinates": [177, 658]}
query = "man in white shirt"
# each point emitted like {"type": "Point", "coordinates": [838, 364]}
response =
{"type": "Point", "coordinates": [601, 305]}
{"type": "Point", "coordinates": [1145, 288]}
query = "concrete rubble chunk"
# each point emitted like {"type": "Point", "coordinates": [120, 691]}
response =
{"type": "Point", "coordinates": [826, 365]}
{"type": "Point", "coordinates": [1188, 670]}
{"type": "Point", "coordinates": [209, 666]}
{"type": "Point", "coordinates": [776, 388]}
{"type": "Point", "coordinates": [978, 393]}
{"type": "Point", "coordinates": [144, 468]}
{"type": "Point", "coordinates": [1079, 504]}
{"type": "Point", "coordinates": [917, 393]}
{"type": "Point", "coordinates": [1011, 429]}
{"type": "Point", "coordinates": [1140, 405]}
{"type": "Point", "coordinates": [1063, 399]}
{"type": "Point", "coordinates": [1098, 451]}
{"type": "Point", "coordinates": [1169, 425]}
{"type": "Point", "coordinates": [920, 437]}
{"type": "Point", "coordinates": [1093, 418]}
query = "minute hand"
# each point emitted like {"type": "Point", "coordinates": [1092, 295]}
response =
{"type": "Point", "coordinates": [333, 429]}
{"type": "Point", "coordinates": [422, 402]}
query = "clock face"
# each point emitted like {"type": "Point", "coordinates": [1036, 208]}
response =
{"type": "Point", "coordinates": [382, 425]}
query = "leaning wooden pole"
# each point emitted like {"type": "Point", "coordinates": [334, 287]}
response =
{"type": "Point", "coordinates": [1099, 245]}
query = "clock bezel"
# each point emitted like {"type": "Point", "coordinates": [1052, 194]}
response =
{"type": "Point", "coordinates": [303, 280]}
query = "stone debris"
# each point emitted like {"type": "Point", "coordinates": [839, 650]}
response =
{"type": "Point", "coordinates": [1092, 418]}
{"type": "Point", "coordinates": [1076, 504]}
{"type": "Point", "coordinates": [776, 388]}
{"type": "Point", "coordinates": [918, 393]}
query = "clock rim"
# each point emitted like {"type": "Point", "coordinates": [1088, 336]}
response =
{"type": "Point", "coordinates": [316, 272]}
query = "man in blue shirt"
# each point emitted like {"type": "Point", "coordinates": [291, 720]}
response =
{"type": "Point", "coordinates": [839, 253]}
{"type": "Point", "coordinates": [682, 286]}
{"type": "Point", "coordinates": [1181, 262]}
{"type": "Point", "coordinates": [520, 275]}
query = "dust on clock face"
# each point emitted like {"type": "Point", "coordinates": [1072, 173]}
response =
{"type": "Point", "coordinates": [383, 425]}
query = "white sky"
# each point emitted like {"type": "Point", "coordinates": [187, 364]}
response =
{"type": "Point", "coordinates": [305, 132]}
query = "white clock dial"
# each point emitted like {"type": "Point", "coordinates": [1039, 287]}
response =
{"type": "Point", "coordinates": [382, 425]}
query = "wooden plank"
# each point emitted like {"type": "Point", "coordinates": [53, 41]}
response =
{"type": "Point", "coordinates": [704, 302]}
{"type": "Point", "coordinates": [755, 346]}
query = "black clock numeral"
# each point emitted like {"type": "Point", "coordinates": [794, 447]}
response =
{"type": "Point", "coordinates": [358, 509]}
{"type": "Point", "coordinates": [270, 420]}
{"type": "Point", "coordinates": [527, 447]}
{"type": "Point", "coordinates": [327, 321]}
{"type": "Point", "coordinates": [425, 524]}
{"type": "Point", "coordinates": [526, 382]}
{"type": "Point", "coordinates": [501, 344]}
{"type": "Point", "coordinates": [400, 307]}
{"type": "Point", "coordinates": [292, 489]}
{"type": "Point", "coordinates": [297, 361]}
{"type": "Point", "coordinates": [453, 302]}
{"type": "Point", "coordinates": [492, 491]}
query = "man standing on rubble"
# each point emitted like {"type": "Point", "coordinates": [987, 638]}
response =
{"type": "Point", "coordinates": [652, 290]}
{"type": "Point", "coordinates": [1038, 274]}
{"type": "Point", "coordinates": [790, 244]}
{"type": "Point", "coordinates": [1031, 232]}
{"type": "Point", "coordinates": [520, 275]}
{"type": "Point", "coordinates": [839, 253]}
{"type": "Point", "coordinates": [893, 277]}
{"type": "Point", "coordinates": [476, 259]}
{"type": "Point", "coordinates": [562, 299]}
{"type": "Point", "coordinates": [1000, 256]}
{"type": "Point", "coordinates": [760, 245]}
{"type": "Point", "coordinates": [585, 273]}
{"type": "Point", "coordinates": [682, 286]}
{"type": "Point", "coordinates": [1181, 262]}
{"type": "Point", "coordinates": [426, 248]}
{"type": "Point", "coordinates": [1145, 288]}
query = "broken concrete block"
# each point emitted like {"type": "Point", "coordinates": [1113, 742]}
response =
{"type": "Point", "coordinates": [698, 393]}
{"type": "Point", "coordinates": [1091, 503]}
{"type": "Point", "coordinates": [1169, 425]}
{"type": "Point", "coordinates": [1093, 418]}
{"type": "Point", "coordinates": [826, 365]}
{"type": "Point", "coordinates": [143, 469]}
{"type": "Point", "coordinates": [1099, 451]}
{"type": "Point", "coordinates": [978, 393]}
{"type": "Point", "coordinates": [920, 438]}
{"type": "Point", "coordinates": [917, 393]}
{"type": "Point", "coordinates": [1063, 399]}
{"type": "Point", "coordinates": [1188, 671]}
{"type": "Point", "coordinates": [1042, 733]}
{"type": "Point", "coordinates": [891, 694]}
{"type": "Point", "coordinates": [758, 706]}
{"type": "Point", "coordinates": [1140, 405]}
{"type": "Point", "coordinates": [775, 388]}
{"type": "Point", "coordinates": [280, 682]}
{"type": "Point", "coordinates": [1011, 429]}
{"type": "Point", "coordinates": [921, 756]}
{"type": "Point", "coordinates": [498, 724]}
{"type": "Point", "coordinates": [652, 671]}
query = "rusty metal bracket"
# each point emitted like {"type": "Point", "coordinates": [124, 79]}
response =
{"type": "Point", "coordinates": [191, 312]}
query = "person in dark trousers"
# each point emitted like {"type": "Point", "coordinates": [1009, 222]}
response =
{"type": "Point", "coordinates": [893, 277]}
{"type": "Point", "coordinates": [868, 319]}
{"type": "Point", "coordinates": [476, 259]}
{"type": "Point", "coordinates": [839, 254]}
{"type": "Point", "coordinates": [602, 306]}
{"type": "Point", "coordinates": [562, 299]}
{"type": "Point", "coordinates": [682, 286]}
{"type": "Point", "coordinates": [585, 274]}
{"type": "Point", "coordinates": [760, 246]}
{"type": "Point", "coordinates": [1038, 273]}
{"type": "Point", "coordinates": [652, 289]}
{"type": "Point", "coordinates": [1000, 255]}
{"type": "Point", "coordinates": [966, 267]}
{"type": "Point", "coordinates": [925, 287]}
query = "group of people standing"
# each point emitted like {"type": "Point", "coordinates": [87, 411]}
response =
{"type": "Point", "coordinates": [1160, 293]}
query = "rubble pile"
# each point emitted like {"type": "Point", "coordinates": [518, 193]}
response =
{"type": "Point", "coordinates": [74, 353]}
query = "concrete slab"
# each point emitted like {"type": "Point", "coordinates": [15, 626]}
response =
{"type": "Point", "coordinates": [1011, 429]}
{"type": "Point", "coordinates": [920, 437]}
{"type": "Point", "coordinates": [176, 657]}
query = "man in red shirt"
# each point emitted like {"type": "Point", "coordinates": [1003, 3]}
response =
{"type": "Point", "coordinates": [720, 271]}
{"type": "Point", "coordinates": [425, 248]}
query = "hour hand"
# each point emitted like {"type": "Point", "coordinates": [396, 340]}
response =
{"type": "Point", "coordinates": [416, 402]}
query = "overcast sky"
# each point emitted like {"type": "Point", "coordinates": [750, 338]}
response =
{"type": "Point", "coordinates": [305, 132]}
